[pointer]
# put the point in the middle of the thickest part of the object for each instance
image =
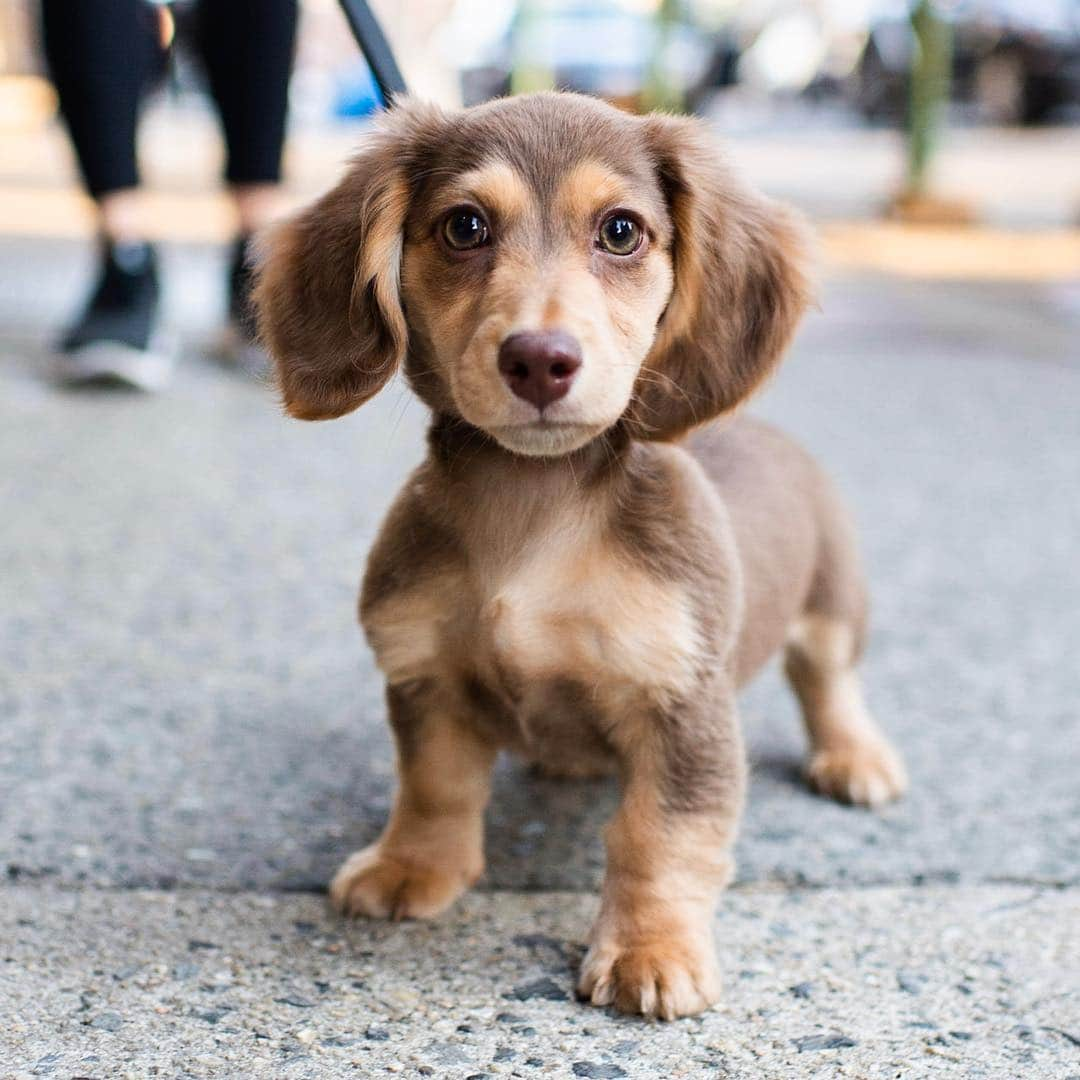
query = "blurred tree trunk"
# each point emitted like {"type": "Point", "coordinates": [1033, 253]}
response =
{"type": "Point", "coordinates": [527, 73]}
{"type": "Point", "coordinates": [931, 73]}
{"type": "Point", "coordinates": [661, 91]}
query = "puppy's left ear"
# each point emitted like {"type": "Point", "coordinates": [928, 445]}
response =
{"type": "Point", "coordinates": [741, 284]}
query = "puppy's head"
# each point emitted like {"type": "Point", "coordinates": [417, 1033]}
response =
{"type": "Point", "coordinates": [545, 267]}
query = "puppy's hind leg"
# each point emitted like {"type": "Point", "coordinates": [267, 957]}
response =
{"type": "Point", "coordinates": [850, 758]}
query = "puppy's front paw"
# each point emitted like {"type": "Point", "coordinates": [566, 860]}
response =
{"type": "Point", "coordinates": [375, 883]}
{"type": "Point", "coordinates": [868, 773]}
{"type": "Point", "coordinates": [665, 979]}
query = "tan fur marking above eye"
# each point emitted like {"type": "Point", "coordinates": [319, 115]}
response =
{"type": "Point", "coordinates": [589, 188]}
{"type": "Point", "coordinates": [497, 187]}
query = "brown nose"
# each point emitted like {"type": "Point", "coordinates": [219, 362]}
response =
{"type": "Point", "coordinates": [540, 365]}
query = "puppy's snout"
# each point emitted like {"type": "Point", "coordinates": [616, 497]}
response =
{"type": "Point", "coordinates": [540, 365]}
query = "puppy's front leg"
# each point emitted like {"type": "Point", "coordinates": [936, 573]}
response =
{"type": "Point", "coordinates": [668, 856]}
{"type": "Point", "coordinates": [431, 850]}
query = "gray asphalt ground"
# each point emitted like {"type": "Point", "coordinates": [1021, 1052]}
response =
{"type": "Point", "coordinates": [192, 733]}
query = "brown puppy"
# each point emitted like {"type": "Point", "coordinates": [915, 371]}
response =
{"type": "Point", "coordinates": [571, 290]}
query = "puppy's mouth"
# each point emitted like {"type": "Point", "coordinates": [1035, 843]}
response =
{"type": "Point", "coordinates": [543, 437]}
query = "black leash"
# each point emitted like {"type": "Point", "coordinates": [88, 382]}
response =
{"type": "Point", "coordinates": [376, 49]}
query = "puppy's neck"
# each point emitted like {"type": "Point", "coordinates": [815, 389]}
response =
{"type": "Point", "coordinates": [464, 451]}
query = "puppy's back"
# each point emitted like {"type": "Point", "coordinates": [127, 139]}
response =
{"type": "Point", "coordinates": [796, 543]}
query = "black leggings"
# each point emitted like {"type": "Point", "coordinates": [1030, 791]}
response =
{"type": "Point", "coordinates": [104, 54]}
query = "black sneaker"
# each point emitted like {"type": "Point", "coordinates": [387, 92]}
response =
{"type": "Point", "coordinates": [240, 345]}
{"type": "Point", "coordinates": [114, 339]}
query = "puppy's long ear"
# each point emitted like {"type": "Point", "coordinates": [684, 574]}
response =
{"type": "Point", "coordinates": [328, 298]}
{"type": "Point", "coordinates": [740, 286]}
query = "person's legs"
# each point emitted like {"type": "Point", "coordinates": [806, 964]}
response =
{"type": "Point", "coordinates": [102, 55]}
{"type": "Point", "coordinates": [247, 48]}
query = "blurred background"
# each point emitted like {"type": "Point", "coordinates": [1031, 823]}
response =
{"type": "Point", "coordinates": [951, 110]}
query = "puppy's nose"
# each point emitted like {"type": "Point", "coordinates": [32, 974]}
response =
{"type": "Point", "coordinates": [540, 365]}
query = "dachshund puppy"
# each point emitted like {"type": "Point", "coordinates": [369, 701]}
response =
{"type": "Point", "coordinates": [579, 572]}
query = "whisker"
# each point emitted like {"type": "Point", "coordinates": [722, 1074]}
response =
{"type": "Point", "coordinates": [573, 473]}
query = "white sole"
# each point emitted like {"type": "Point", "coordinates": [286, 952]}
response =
{"type": "Point", "coordinates": [111, 361]}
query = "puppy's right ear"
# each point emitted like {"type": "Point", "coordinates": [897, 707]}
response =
{"type": "Point", "coordinates": [327, 298]}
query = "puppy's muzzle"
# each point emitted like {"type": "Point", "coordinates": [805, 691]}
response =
{"type": "Point", "coordinates": [539, 366]}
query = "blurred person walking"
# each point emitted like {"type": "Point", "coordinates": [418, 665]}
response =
{"type": "Point", "coordinates": [104, 55]}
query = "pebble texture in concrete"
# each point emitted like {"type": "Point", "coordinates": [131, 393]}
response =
{"type": "Point", "coordinates": [932, 982]}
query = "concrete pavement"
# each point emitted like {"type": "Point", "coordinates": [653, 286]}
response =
{"type": "Point", "coordinates": [188, 709]}
{"type": "Point", "coordinates": [933, 982]}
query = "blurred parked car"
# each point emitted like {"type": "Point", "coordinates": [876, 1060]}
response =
{"type": "Point", "coordinates": [1014, 61]}
{"type": "Point", "coordinates": [602, 47]}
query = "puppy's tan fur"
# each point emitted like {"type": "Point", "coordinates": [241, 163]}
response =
{"type": "Point", "coordinates": [578, 586]}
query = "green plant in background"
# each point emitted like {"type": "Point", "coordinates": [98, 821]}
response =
{"type": "Point", "coordinates": [527, 74]}
{"type": "Point", "coordinates": [931, 71]}
{"type": "Point", "coordinates": [661, 91]}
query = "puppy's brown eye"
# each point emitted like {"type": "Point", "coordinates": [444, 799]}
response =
{"type": "Point", "coordinates": [465, 229]}
{"type": "Point", "coordinates": [619, 235]}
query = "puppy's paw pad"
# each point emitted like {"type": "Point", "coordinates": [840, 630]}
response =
{"type": "Point", "coordinates": [656, 980]}
{"type": "Point", "coordinates": [374, 883]}
{"type": "Point", "coordinates": [863, 774]}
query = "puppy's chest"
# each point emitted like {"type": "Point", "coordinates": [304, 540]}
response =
{"type": "Point", "coordinates": [558, 620]}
